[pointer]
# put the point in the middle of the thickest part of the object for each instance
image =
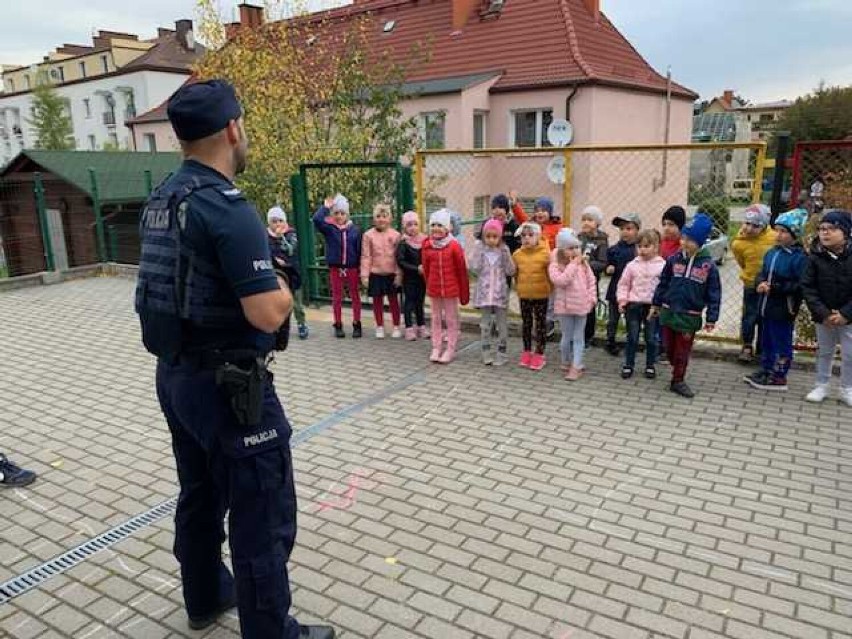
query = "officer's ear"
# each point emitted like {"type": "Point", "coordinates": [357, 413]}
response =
{"type": "Point", "coordinates": [234, 132]}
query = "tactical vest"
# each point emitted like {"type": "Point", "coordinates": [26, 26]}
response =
{"type": "Point", "coordinates": [176, 285]}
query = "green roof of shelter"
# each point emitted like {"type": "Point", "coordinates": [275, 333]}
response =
{"type": "Point", "coordinates": [120, 174]}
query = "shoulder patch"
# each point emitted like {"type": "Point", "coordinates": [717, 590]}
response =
{"type": "Point", "coordinates": [232, 194]}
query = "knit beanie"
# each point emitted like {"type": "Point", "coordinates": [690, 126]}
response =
{"type": "Point", "coordinates": [493, 225]}
{"type": "Point", "coordinates": [440, 217]}
{"type": "Point", "coordinates": [528, 226]}
{"type": "Point", "coordinates": [839, 218]}
{"type": "Point", "coordinates": [676, 215]}
{"type": "Point", "coordinates": [698, 228]}
{"type": "Point", "coordinates": [500, 201]}
{"type": "Point", "coordinates": [545, 204]}
{"type": "Point", "coordinates": [594, 213]}
{"type": "Point", "coordinates": [758, 215]}
{"type": "Point", "coordinates": [408, 217]}
{"type": "Point", "coordinates": [340, 203]}
{"type": "Point", "coordinates": [566, 239]}
{"type": "Point", "coordinates": [276, 213]}
{"type": "Point", "coordinates": [794, 223]}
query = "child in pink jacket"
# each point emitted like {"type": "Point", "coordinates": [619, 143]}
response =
{"type": "Point", "coordinates": [380, 273]}
{"type": "Point", "coordinates": [634, 294]}
{"type": "Point", "coordinates": [575, 294]}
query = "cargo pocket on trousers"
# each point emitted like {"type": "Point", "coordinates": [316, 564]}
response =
{"type": "Point", "coordinates": [268, 577]}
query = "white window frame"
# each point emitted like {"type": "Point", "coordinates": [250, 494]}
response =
{"type": "Point", "coordinates": [422, 123]}
{"type": "Point", "coordinates": [484, 116]}
{"type": "Point", "coordinates": [87, 107]}
{"type": "Point", "coordinates": [93, 143]}
{"type": "Point", "coordinates": [540, 136]}
{"type": "Point", "coordinates": [150, 141]}
{"type": "Point", "coordinates": [82, 68]}
{"type": "Point", "coordinates": [105, 63]}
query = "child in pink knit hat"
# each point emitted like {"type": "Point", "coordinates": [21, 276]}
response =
{"type": "Point", "coordinates": [413, 284]}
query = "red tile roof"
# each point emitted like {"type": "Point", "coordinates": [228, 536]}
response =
{"type": "Point", "coordinates": [533, 43]}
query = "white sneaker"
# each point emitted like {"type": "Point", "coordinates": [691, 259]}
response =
{"type": "Point", "coordinates": [396, 333]}
{"type": "Point", "coordinates": [818, 394]}
{"type": "Point", "coordinates": [846, 395]}
{"type": "Point", "coordinates": [380, 332]}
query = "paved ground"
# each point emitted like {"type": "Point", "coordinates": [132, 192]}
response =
{"type": "Point", "coordinates": [440, 502]}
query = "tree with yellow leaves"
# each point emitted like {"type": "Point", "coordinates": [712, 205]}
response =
{"type": "Point", "coordinates": [313, 90]}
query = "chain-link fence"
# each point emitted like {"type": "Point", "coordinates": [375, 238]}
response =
{"type": "Point", "coordinates": [720, 179]}
{"type": "Point", "coordinates": [822, 173]}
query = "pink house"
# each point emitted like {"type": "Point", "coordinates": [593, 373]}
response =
{"type": "Point", "coordinates": [497, 73]}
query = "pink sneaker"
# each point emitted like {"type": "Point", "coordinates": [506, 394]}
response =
{"type": "Point", "coordinates": [574, 374]}
{"type": "Point", "coordinates": [411, 334]}
{"type": "Point", "coordinates": [423, 332]}
{"type": "Point", "coordinates": [447, 357]}
{"type": "Point", "coordinates": [436, 355]}
{"type": "Point", "coordinates": [526, 357]}
{"type": "Point", "coordinates": [565, 368]}
{"type": "Point", "coordinates": [537, 362]}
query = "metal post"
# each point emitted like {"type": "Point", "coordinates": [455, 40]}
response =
{"type": "Point", "coordinates": [149, 183]}
{"type": "Point", "coordinates": [420, 181]}
{"type": "Point", "coordinates": [759, 167]}
{"type": "Point", "coordinates": [99, 220]}
{"type": "Point", "coordinates": [568, 187]}
{"type": "Point", "coordinates": [304, 231]}
{"type": "Point", "coordinates": [781, 153]}
{"type": "Point", "coordinates": [41, 209]}
{"type": "Point", "coordinates": [407, 203]}
{"type": "Point", "coordinates": [113, 243]}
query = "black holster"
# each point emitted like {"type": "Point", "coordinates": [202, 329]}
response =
{"type": "Point", "coordinates": [244, 389]}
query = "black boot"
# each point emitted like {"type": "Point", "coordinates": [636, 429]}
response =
{"type": "Point", "coordinates": [338, 331]}
{"type": "Point", "coordinates": [316, 632]}
{"type": "Point", "coordinates": [356, 330]}
{"type": "Point", "coordinates": [681, 388]}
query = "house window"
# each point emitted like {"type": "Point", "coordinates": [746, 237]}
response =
{"type": "Point", "coordinates": [431, 125]}
{"type": "Point", "coordinates": [27, 82]}
{"type": "Point", "coordinates": [61, 72]}
{"type": "Point", "coordinates": [766, 117]}
{"type": "Point", "coordinates": [479, 130]}
{"type": "Point", "coordinates": [87, 106]}
{"type": "Point", "coordinates": [530, 127]}
{"type": "Point", "coordinates": [150, 142]}
{"type": "Point", "coordinates": [105, 63]}
{"type": "Point", "coordinates": [93, 145]}
{"type": "Point", "coordinates": [434, 203]}
{"type": "Point", "coordinates": [11, 84]}
{"type": "Point", "coordinates": [481, 207]}
{"type": "Point", "coordinates": [113, 140]}
{"type": "Point", "coordinates": [82, 66]}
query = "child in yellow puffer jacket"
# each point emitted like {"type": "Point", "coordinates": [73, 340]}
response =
{"type": "Point", "coordinates": [753, 241]}
{"type": "Point", "coordinates": [533, 285]}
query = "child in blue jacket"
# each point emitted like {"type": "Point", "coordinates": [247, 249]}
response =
{"type": "Point", "coordinates": [688, 285]}
{"type": "Point", "coordinates": [618, 256]}
{"type": "Point", "coordinates": [780, 290]}
{"type": "Point", "coordinates": [343, 256]}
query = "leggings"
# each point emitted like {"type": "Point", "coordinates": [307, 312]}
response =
{"type": "Point", "coordinates": [414, 295]}
{"type": "Point", "coordinates": [446, 308]}
{"type": "Point", "coordinates": [337, 277]}
{"type": "Point", "coordinates": [379, 309]}
{"type": "Point", "coordinates": [573, 342]}
{"type": "Point", "coordinates": [534, 322]}
{"type": "Point", "coordinates": [678, 348]}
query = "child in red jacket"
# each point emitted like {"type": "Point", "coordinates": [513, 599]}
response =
{"type": "Point", "coordinates": [446, 284]}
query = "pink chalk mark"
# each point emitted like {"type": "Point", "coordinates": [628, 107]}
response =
{"type": "Point", "coordinates": [347, 498]}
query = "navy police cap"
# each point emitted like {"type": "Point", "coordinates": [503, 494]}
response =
{"type": "Point", "coordinates": [202, 108]}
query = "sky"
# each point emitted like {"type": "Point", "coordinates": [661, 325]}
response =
{"type": "Point", "coordinates": [762, 49]}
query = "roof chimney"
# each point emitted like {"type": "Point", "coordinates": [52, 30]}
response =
{"type": "Point", "coordinates": [231, 30]}
{"type": "Point", "coordinates": [594, 7]}
{"type": "Point", "coordinates": [728, 98]}
{"type": "Point", "coordinates": [461, 12]}
{"type": "Point", "coordinates": [184, 34]}
{"type": "Point", "coordinates": [251, 16]}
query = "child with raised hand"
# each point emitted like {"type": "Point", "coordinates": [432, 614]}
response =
{"type": "Point", "coordinates": [594, 244]}
{"type": "Point", "coordinates": [491, 262]}
{"type": "Point", "coordinates": [543, 215]}
{"type": "Point", "coordinates": [689, 286]}
{"type": "Point", "coordinates": [779, 287]}
{"type": "Point", "coordinates": [635, 295]}
{"type": "Point", "coordinates": [575, 292]}
{"type": "Point", "coordinates": [413, 284]}
{"type": "Point", "coordinates": [618, 257]}
{"type": "Point", "coordinates": [446, 284]}
{"type": "Point", "coordinates": [827, 287]}
{"type": "Point", "coordinates": [533, 286]}
{"type": "Point", "coordinates": [752, 242]}
{"type": "Point", "coordinates": [343, 257]}
{"type": "Point", "coordinates": [380, 274]}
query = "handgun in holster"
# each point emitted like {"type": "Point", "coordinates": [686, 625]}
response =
{"type": "Point", "coordinates": [244, 389]}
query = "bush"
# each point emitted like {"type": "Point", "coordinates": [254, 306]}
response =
{"type": "Point", "coordinates": [718, 209]}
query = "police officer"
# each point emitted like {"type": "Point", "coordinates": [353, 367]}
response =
{"type": "Point", "coordinates": [209, 302]}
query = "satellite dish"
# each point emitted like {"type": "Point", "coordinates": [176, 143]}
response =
{"type": "Point", "coordinates": [556, 169]}
{"type": "Point", "coordinates": [560, 133]}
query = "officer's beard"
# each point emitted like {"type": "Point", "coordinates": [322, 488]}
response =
{"type": "Point", "coordinates": [241, 153]}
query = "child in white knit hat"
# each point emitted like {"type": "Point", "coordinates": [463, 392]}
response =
{"type": "Point", "coordinates": [594, 244]}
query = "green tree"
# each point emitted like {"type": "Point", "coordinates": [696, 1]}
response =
{"type": "Point", "coordinates": [50, 120]}
{"type": "Point", "coordinates": [825, 114]}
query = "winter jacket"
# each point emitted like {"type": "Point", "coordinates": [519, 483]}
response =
{"type": "Point", "coordinates": [689, 285]}
{"type": "Point", "coordinates": [285, 255]}
{"type": "Point", "coordinates": [549, 231]}
{"type": "Point", "coordinates": [782, 269]}
{"type": "Point", "coordinates": [342, 244]}
{"type": "Point", "coordinates": [639, 280]}
{"type": "Point", "coordinates": [669, 247]}
{"type": "Point", "coordinates": [531, 274]}
{"type": "Point", "coordinates": [378, 252]}
{"type": "Point", "coordinates": [408, 259]}
{"type": "Point", "coordinates": [749, 252]}
{"type": "Point", "coordinates": [491, 266]}
{"type": "Point", "coordinates": [445, 271]}
{"type": "Point", "coordinates": [575, 291]}
{"type": "Point", "coordinates": [619, 255]}
{"type": "Point", "coordinates": [594, 247]}
{"type": "Point", "coordinates": [827, 283]}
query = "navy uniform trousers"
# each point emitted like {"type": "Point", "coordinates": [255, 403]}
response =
{"type": "Point", "coordinates": [249, 472]}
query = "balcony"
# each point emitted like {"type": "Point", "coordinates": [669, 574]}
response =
{"type": "Point", "coordinates": [109, 118]}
